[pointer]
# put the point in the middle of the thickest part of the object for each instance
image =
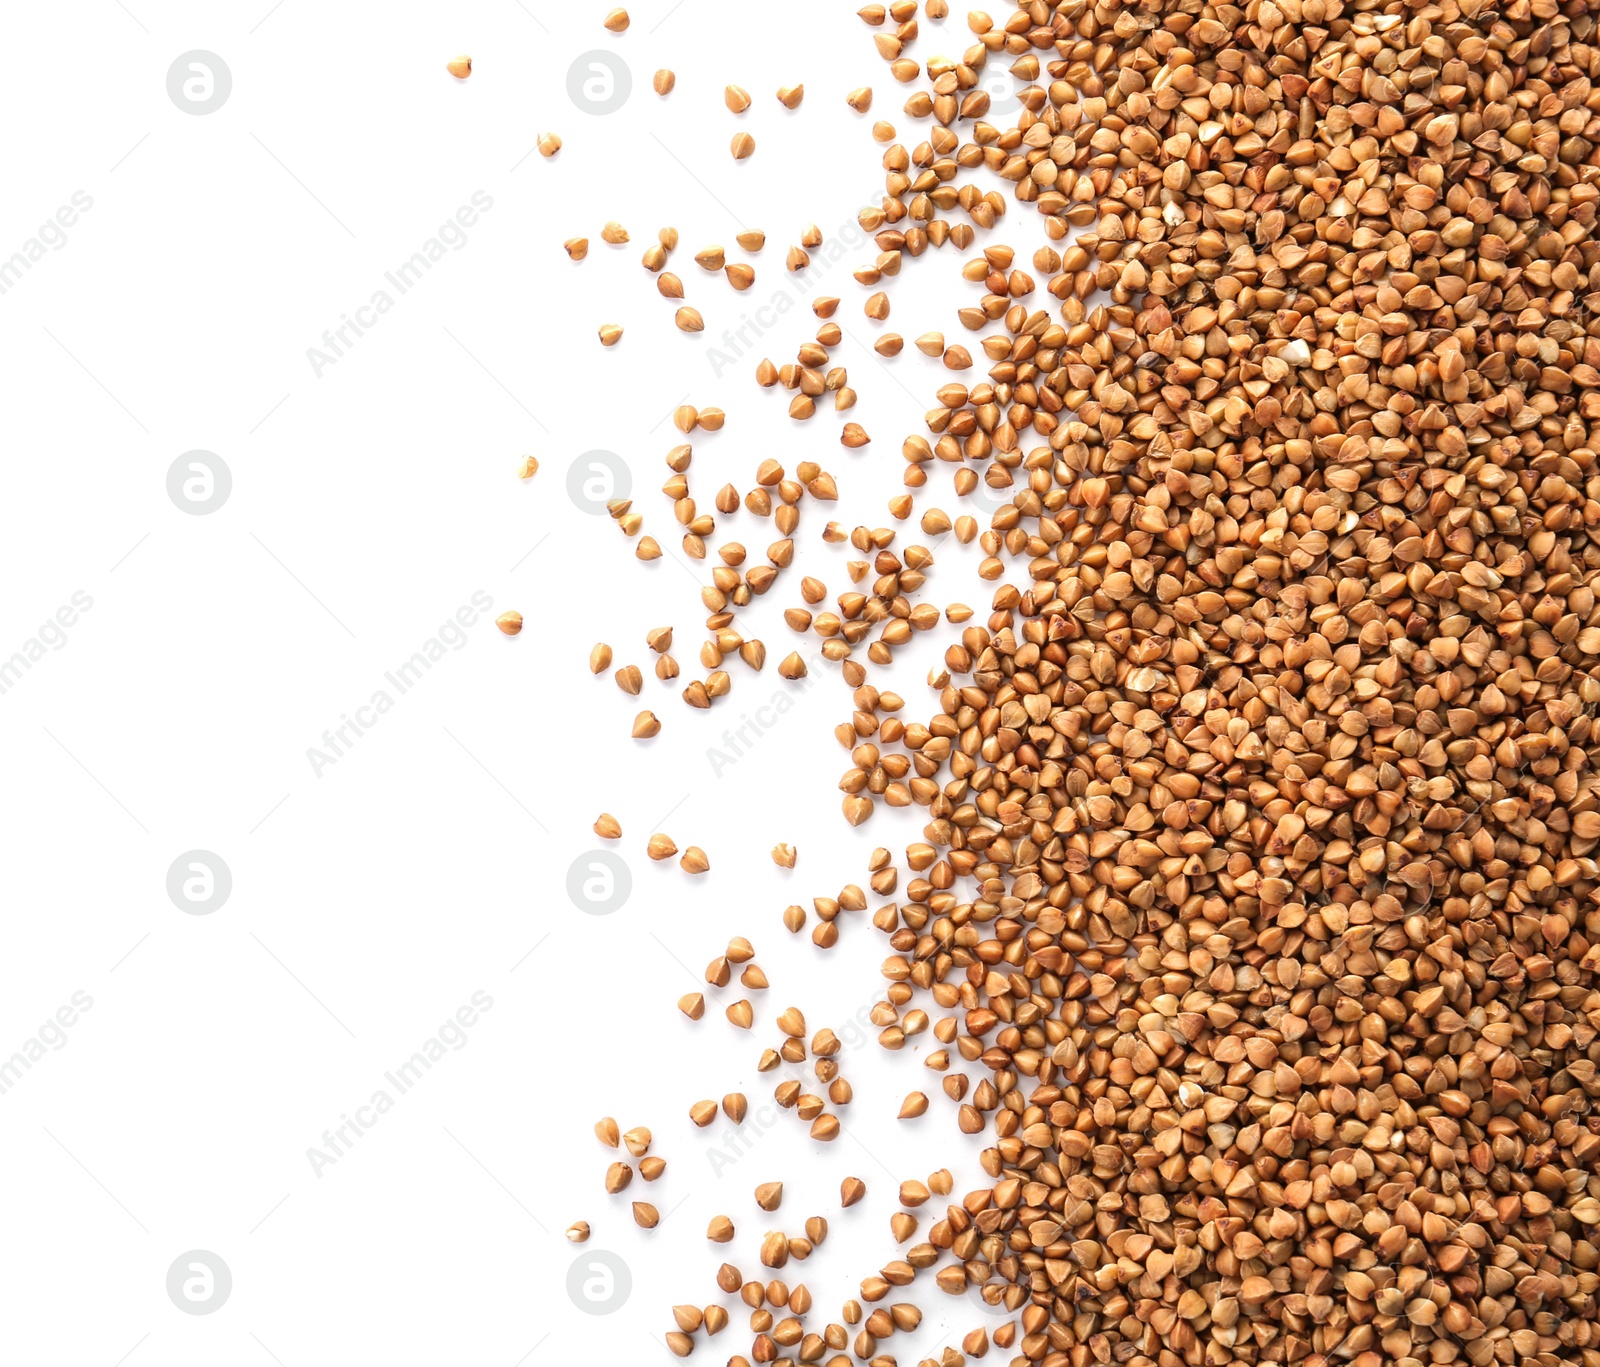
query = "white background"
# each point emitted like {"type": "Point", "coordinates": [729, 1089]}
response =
{"type": "Point", "coordinates": [368, 504]}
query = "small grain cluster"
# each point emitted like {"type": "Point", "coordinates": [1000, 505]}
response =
{"type": "Point", "coordinates": [1250, 914]}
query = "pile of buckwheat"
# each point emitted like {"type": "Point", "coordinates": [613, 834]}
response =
{"type": "Point", "coordinates": [1257, 878]}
